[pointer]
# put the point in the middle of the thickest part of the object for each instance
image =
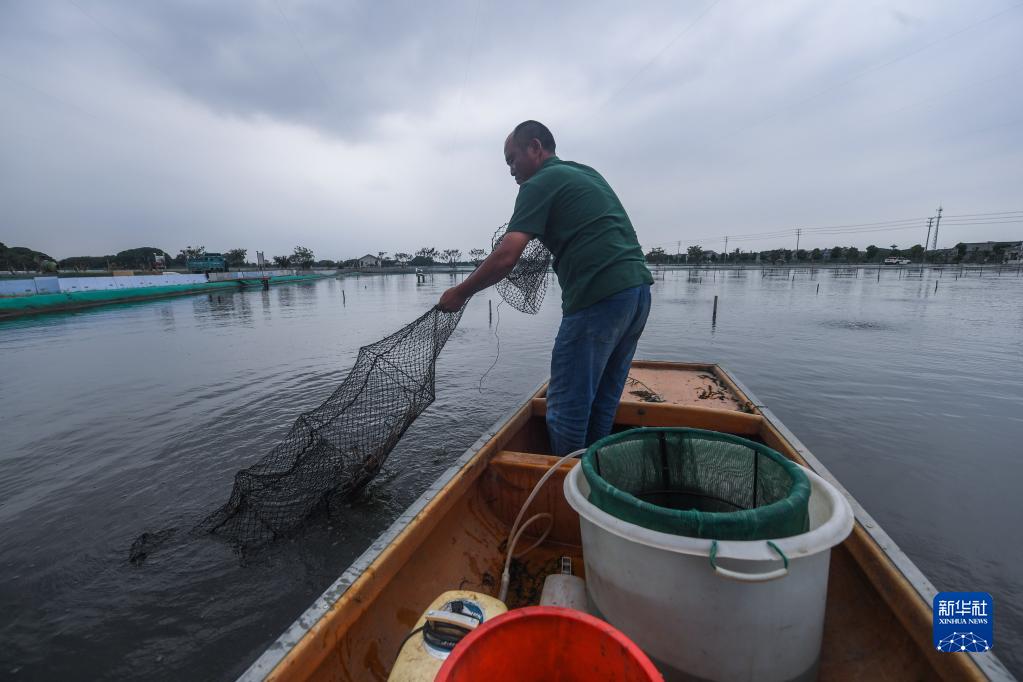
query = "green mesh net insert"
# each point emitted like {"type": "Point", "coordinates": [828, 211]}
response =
{"type": "Point", "coordinates": [698, 483]}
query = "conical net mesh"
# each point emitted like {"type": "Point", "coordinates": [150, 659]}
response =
{"type": "Point", "coordinates": [525, 286]}
{"type": "Point", "coordinates": [335, 449]}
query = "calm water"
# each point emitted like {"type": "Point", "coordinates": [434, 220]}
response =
{"type": "Point", "coordinates": [131, 418]}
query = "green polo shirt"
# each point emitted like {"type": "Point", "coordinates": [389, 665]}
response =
{"type": "Point", "coordinates": [577, 215]}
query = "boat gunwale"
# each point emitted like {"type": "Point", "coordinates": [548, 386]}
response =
{"type": "Point", "coordinates": [267, 663]}
{"type": "Point", "coordinates": [275, 653]}
{"type": "Point", "coordinates": [987, 662]}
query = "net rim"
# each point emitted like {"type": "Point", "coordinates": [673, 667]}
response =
{"type": "Point", "coordinates": [800, 491]}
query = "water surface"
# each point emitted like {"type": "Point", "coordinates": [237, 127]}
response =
{"type": "Point", "coordinates": [136, 417]}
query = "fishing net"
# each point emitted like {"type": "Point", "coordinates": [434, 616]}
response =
{"type": "Point", "coordinates": [335, 449]}
{"type": "Point", "coordinates": [698, 483]}
{"type": "Point", "coordinates": [524, 288]}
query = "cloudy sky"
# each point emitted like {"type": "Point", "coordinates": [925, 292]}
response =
{"type": "Point", "coordinates": [354, 127]}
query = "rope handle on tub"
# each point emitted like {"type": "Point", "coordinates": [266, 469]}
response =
{"type": "Point", "coordinates": [750, 577]}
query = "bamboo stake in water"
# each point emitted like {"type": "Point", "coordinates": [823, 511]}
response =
{"type": "Point", "coordinates": [714, 315]}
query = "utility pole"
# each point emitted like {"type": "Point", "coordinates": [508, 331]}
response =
{"type": "Point", "coordinates": [795, 254]}
{"type": "Point", "coordinates": [937, 223]}
{"type": "Point", "coordinates": [678, 252]}
{"type": "Point", "coordinates": [927, 242]}
{"type": "Point", "coordinates": [726, 247]}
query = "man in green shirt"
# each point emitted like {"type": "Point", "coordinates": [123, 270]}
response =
{"type": "Point", "coordinates": [605, 285]}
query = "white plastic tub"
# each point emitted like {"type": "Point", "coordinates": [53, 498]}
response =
{"type": "Point", "coordinates": [741, 616]}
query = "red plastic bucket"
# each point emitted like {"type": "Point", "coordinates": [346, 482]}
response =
{"type": "Point", "coordinates": [547, 643]}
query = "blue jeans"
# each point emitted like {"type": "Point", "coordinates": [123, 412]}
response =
{"type": "Point", "coordinates": [590, 363]}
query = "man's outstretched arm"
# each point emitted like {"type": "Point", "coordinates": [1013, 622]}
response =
{"type": "Point", "coordinates": [496, 267]}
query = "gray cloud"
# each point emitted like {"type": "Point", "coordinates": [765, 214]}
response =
{"type": "Point", "coordinates": [355, 127]}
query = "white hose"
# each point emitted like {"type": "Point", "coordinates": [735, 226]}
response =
{"type": "Point", "coordinates": [516, 530]}
{"type": "Point", "coordinates": [522, 528]}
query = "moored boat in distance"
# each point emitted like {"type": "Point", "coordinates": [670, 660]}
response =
{"type": "Point", "coordinates": [878, 616]}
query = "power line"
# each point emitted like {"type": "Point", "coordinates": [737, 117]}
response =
{"type": "Point", "coordinates": [900, 221]}
{"type": "Point", "coordinates": [774, 233]}
{"type": "Point", "coordinates": [908, 222]}
{"type": "Point", "coordinates": [867, 230]}
{"type": "Point", "coordinates": [56, 98]}
{"type": "Point", "coordinates": [115, 34]}
{"type": "Point", "coordinates": [992, 219]}
{"type": "Point", "coordinates": [901, 224]}
{"type": "Point", "coordinates": [694, 240]}
{"type": "Point", "coordinates": [971, 215]}
{"type": "Point", "coordinates": [887, 224]}
{"type": "Point", "coordinates": [301, 44]}
{"type": "Point", "coordinates": [171, 78]}
{"type": "Point", "coordinates": [757, 237]}
{"type": "Point", "coordinates": [664, 49]}
{"type": "Point", "coordinates": [974, 131]}
{"type": "Point", "coordinates": [948, 91]}
{"type": "Point", "coordinates": [880, 226]}
{"type": "Point", "coordinates": [993, 222]}
{"type": "Point", "coordinates": [468, 56]}
{"type": "Point", "coordinates": [853, 227]}
{"type": "Point", "coordinates": [877, 67]}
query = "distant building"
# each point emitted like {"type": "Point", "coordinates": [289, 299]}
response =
{"type": "Point", "coordinates": [1014, 253]}
{"type": "Point", "coordinates": [370, 261]}
{"type": "Point", "coordinates": [207, 262]}
{"type": "Point", "coordinates": [1010, 251]}
{"type": "Point", "coordinates": [942, 254]}
{"type": "Point", "coordinates": [979, 247]}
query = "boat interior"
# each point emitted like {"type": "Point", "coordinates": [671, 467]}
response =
{"type": "Point", "coordinates": [877, 626]}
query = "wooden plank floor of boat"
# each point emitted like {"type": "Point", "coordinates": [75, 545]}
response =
{"type": "Point", "coordinates": [872, 619]}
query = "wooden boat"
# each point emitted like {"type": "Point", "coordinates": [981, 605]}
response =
{"type": "Point", "coordinates": [878, 619]}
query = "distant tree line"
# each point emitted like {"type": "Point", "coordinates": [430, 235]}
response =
{"type": "Point", "coordinates": [143, 258]}
{"type": "Point", "coordinates": [426, 255]}
{"type": "Point", "coordinates": [22, 258]}
{"type": "Point", "coordinates": [836, 254]}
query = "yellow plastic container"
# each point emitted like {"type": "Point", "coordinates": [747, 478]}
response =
{"type": "Point", "coordinates": [418, 660]}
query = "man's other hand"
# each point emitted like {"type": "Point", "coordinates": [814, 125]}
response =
{"type": "Point", "coordinates": [452, 300]}
{"type": "Point", "coordinates": [492, 270]}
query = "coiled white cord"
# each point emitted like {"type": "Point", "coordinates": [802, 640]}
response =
{"type": "Point", "coordinates": [516, 529]}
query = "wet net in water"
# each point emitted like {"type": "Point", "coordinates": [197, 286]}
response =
{"type": "Point", "coordinates": [335, 449]}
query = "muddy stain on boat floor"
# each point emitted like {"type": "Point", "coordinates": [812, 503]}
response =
{"type": "Point", "coordinates": [131, 418]}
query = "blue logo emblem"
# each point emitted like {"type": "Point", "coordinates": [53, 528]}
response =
{"type": "Point", "coordinates": [964, 622]}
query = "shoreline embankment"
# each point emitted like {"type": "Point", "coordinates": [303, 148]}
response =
{"type": "Point", "coordinates": [49, 300]}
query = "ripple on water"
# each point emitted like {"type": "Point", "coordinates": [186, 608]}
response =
{"type": "Point", "coordinates": [114, 434]}
{"type": "Point", "coordinates": [859, 325]}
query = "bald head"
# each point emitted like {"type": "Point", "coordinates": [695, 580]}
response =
{"type": "Point", "coordinates": [526, 148]}
{"type": "Point", "coordinates": [527, 131]}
